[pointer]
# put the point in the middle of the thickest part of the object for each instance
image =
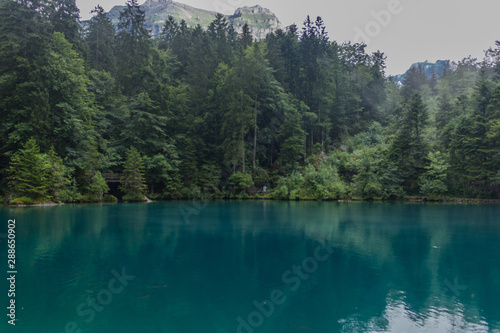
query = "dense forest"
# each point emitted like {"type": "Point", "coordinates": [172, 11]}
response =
{"type": "Point", "coordinates": [210, 113]}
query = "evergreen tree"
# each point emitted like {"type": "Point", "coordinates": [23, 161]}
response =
{"type": "Point", "coordinates": [60, 189]}
{"type": "Point", "coordinates": [237, 121]}
{"type": "Point", "coordinates": [24, 36]}
{"type": "Point", "coordinates": [409, 150]}
{"type": "Point", "coordinates": [143, 127]}
{"type": "Point", "coordinates": [200, 105]}
{"type": "Point", "coordinates": [433, 183]}
{"type": "Point", "coordinates": [223, 36]}
{"type": "Point", "coordinates": [161, 169]}
{"type": "Point", "coordinates": [413, 82]}
{"type": "Point", "coordinates": [177, 38]}
{"type": "Point", "coordinates": [292, 134]}
{"type": "Point", "coordinates": [314, 43]}
{"type": "Point", "coordinates": [90, 179]}
{"type": "Point", "coordinates": [246, 38]}
{"type": "Point", "coordinates": [101, 40]}
{"type": "Point", "coordinates": [69, 125]}
{"type": "Point", "coordinates": [109, 118]}
{"type": "Point", "coordinates": [474, 156]}
{"type": "Point", "coordinates": [493, 58]}
{"type": "Point", "coordinates": [169, 33]}
{"type": "Point", "coordinates": [96, 188]}
{"type": "Point", "coordinates": [133, 50]}
{"type": "Point", "coordinates": [65, 18]}
{"type": "Point", "coordinates": [28, 174]}
{"type": "Point", "coordinates": [445, 111]}
{"type": "Point", "coordinates": [44, 94]}
{"type": "Point", "coordinates": [132, 181]}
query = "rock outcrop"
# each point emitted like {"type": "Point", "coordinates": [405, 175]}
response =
{"type": "Point", "coordinates": [260, 20]}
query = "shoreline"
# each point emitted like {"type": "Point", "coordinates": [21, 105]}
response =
{"type": "Point", "coordinates": [410, 199]}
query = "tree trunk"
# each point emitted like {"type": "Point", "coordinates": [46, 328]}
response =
{"type": "Point", "coordinates": [312, 140]}
{"type": "Point", "coordinates": [243, 150]}
{"type": "Point", "coordinates": [255, 137]}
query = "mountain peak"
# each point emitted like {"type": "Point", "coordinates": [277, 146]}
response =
{"type": "Point", "coordinates": [260, 20]}
{"type": "Point", "coordinates": [155, 2]}
{"type": "Point", "coordinates": [428, 68]}
{"type": "Point", "coordinates": [257, 9]}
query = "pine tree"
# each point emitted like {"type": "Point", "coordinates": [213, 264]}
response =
{"type": "Point", "coordinates": [144, 127]}
{"type": "Point", "coordinates": [292, 134]}
{"type": "Point", "coordinates": [414, 80]}
{"type": "Point", "coordinates": [43, 94]}
{"type": "Point", "coordinates": [59, 179]}
{"type": "Point", "coordinates": [246, 38]}
{"type": "Point", "coordinates": [133, 50]}
{"type": "Point", "coordinates": [65, 17]}
{"type": "Point", "coordinates": [97, 188]}
{"type": "Point", "coordinates": [409, 150]}
{"type": "Point", "coordinates": [169, 33]}
{"type": "Point", "coordinates": [473, 149]}
{"type": "Point", "coordinates": [28, 174]}
{"type": "Point", "coordinates": [24, 36]}
{"type": "Point", "coordinates": [223, 36]}
{"type": "Point", "coordinates": [433, 182]}
{"type": "Point", "coordinates": [132, 181]}
{"type": "Point", "coordinates": [101, 41]}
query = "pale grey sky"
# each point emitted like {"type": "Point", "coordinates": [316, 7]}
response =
{"type": "Point", "coordinates": [407, 31]}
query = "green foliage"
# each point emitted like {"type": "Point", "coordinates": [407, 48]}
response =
{"type": "Point", "coordinates": [23, 201]}
{"type": "Point", "coordinates": [375, 177]}
{"type": "Point", "coordinates": [95, 189]}
{"type": "Point", "coordinates": [323, 183]}
{"type": "Point", "coordinates": [241, 181]}
{"type": "Point", "coordinates": [108, 198]}
{"type": "Point", "coordinates": [101, 39]}
{"type": "Point", "coordinates": [191, 193]}
{"type": "Point", "coordinates": [41, 176]}
{"type": "Point", "coordinates": [292, 135]}
{"type": "Point", "coordinates": [70, 193]}
{"type": "Point", "coordinates": [132, 50]}
{"type": "Point", "coordinates": [28, 174]}
{"type": "Point", "coordinates": [58, 178]}
{"type": "Point", "coordinates": [289, 187]}
{"type": "Point", "coordinates": [133, 198]}
{"type": "Point", "coordinates": [132, 181]}
{"type": "Point", "coordinates": [43, 93]}
{"type": "Point", "coordinates": [281, 192]}
{"type": "Point", "coordinates": [409, 149]}
{"type": "Point", "coordinates": [209, 111]}
{"type": "Point", "coordinates": [434, 180]}
{"type": "Point", "coordinates": [158, 171]}
{"type": "Point", "coordinates": [260, 177]}
{"type": "Point", "coordinates": [209, 180]}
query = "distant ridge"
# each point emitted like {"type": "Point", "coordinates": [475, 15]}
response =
{"type": "Point", "coordinates": [260, 20]}
{"type": "Point", "coordinates": [429, 68]}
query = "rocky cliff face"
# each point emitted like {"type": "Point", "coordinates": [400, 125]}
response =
{"type": "Point", "coordinates": [428, 68]}
{"type": "Point", "coordinates": [260, 20]}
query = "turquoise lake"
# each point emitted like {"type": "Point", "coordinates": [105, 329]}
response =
{"type": "Point", "coordinates": [264, 267]}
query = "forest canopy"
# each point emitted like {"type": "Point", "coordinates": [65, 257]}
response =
{"type": "Point", "coordinates": [210, 113]}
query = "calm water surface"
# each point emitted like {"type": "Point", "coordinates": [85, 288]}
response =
{"type": "Point", "coordinates": [244, 267]}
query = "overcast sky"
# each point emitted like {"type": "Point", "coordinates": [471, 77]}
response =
{"type": "Point", "coordinates": [407, 31]}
